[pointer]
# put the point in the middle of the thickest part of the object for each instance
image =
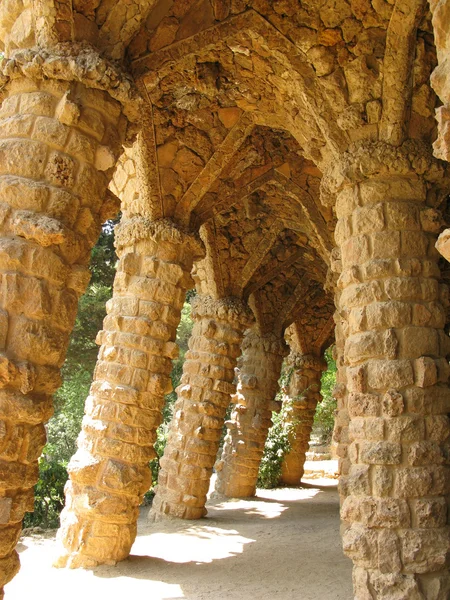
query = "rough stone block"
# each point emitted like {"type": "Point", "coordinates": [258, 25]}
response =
{"type": "Point", "coordinates": [425, 371]}
{"type": "Point", "coordinates": [347, 201]}
{"type": "Point", "coordinates": [430, 513]}
{"type": "Point", "coordinates": [380, 453]}
{"type": "Point", "coordinates": [384, 374]}
{"type": "Point", "coordinates": [383, 479]}
{"type": "Point", "coordinates": [424, 550]}
{"type": "Point", "coordinates": [355, 251]}
{"type": "Point", "coordinates": [382, 315]}
{"type": "Point", "coordinates": [368, 219]}
{"type": "Point", "coordinates": [360, 544]}
{"type": "Point", "coordinates": [361, 346]}
{"type": "Point", "coordinates": [392, 403]}
{"type": "Point", "coordinates": [358, 480]}
{"type": "Point", "coordinates": [389, 552]}
{"type": "Point", "coordinates": [38, 103]}
{"type": "Point", "coordinates": [402, 216]}
{"type": "Point", "coordinates": [404, 288]}
{"type": "Point", "coordinates": [363, 404]}
{"type": "Point", "coordinates": [437, 428]}
{"type": "Point", "coordinates": [405, 429]}
{"type": "Point", "coordinates": [418, 342]}
{"type": "Point", "coordinates": [412, 482]}
{"type": "Point", "coordinates": [385, 244]}
{"type": "Point", "coordinates": [424, 453]}
{"type": "Point", "coordinates": [414, 243]}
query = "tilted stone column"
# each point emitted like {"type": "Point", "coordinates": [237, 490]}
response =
{"type": "Point", "coordinates": [299, 408]}
{"type": "Point", "coordinates": [440, 80]}
{"type": "Point", "coordinates": [58, 144]}
{"type": "Point", "coordinates": [199, 413]}
{"type": "Point", "coordinates": [109, 473]}
{"type": "Point", "coordinates": [393, 311]}
{"type": "Point", "coordinates": [259, 371]}
{"type": "Point", "coordinates": [341, 421]}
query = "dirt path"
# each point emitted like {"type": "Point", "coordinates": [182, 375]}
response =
{"type": "Point", "coordinates": [283, 544]}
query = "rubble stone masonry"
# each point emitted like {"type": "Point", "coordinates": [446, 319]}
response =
{"type": "Point", "coordinates": [259, 371]}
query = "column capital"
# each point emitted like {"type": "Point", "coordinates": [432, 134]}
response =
{"type": "Point", "coordinates": [75, 62]}
{"type": "Point", "coordinates": [229, 309]}
{"type": "Point", "coordinates": [271, 343]}
{"type": "Point", "coordinates": [307, 361]}
{"type": "Point", "coordinates": [369, 159]}
{"type": "Point", "coordinates": [138, 228]}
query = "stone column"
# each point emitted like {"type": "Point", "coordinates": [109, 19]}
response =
{"type": "Point", "coordinates": [109, 474]}
{"type": "Point", "coordinates": [259, 371]}
{"type": "Point", "coordinates": [203, 397]}
{"type": "Point", "coordinates": [299, 408]}
{"type": "Point", "coordinates": [394, 372]}
{"type": "Point", "coordinates": [58, 144]}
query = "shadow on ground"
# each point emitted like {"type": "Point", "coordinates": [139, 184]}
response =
{"type": "Point", "coordinates": [282, 544]}
{"type": "Point", "coordinates": [278, 544]}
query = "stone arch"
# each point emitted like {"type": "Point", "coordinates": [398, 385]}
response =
{"type": "Point", "coordinates": [350, 83]}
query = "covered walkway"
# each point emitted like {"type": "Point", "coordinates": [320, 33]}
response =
{"type": "Point", "coordinates": [283, 544]}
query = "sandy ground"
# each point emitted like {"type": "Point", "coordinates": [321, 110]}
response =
{"type": "Point", "coordinates": [282, 544]}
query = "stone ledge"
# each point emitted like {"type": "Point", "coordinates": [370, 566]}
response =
{"type": "Point", "coordinates": [131, 231]}
{"type": "Point", "coordinates": [369, 159]}
{"type": "Point", "coordinates": [229, 309]}
{"type": "Point", "coordinates": [75, 62]}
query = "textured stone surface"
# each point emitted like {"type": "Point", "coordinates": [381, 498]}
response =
{"type": "Point", "coordinates": [296, 140]}
{"type": "Point", "coordinates": [440, 78]}
{"type": "Point", "coordinates": [199, 413]}
{"type": "Point", "coordinates": [389, 388]}
{"type": "Point", "coordinates": [54, 201]}
{"type": "Point", "coordinates": [299, 403]}
{"type": "Point", "coordinates": [259, 371]}
{"type": "Point", "coordinates": [109, 474]}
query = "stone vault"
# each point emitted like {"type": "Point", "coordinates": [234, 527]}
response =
{"type": "Point", "coordinates": [278, 157]}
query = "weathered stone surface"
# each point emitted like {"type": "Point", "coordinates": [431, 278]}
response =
{"type": "Point", "coordinates": [246, 105]}
{"type": "Point", "coordinates": [44, 269]}
{"type": "Point", "coordinates": [203, 397]}
{"type": "Point", "coordinates": [299, 406]}
{"type": "Point", "coordinates": [126, 399]}
{"type": "Point", "coordinates": [392, 501]}
{"type": "Point", "coordinates": [259, 370]}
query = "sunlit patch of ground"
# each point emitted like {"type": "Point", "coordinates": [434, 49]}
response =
{"type": "Point", "coordinates": [284, 544]}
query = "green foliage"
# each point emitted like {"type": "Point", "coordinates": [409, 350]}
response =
{"type": "Point", "coordinates": [160, 444]}
{"type": "Point", "coordinates": [48, 495]}
{"type": "Point", "coordinates": [326, 409]}
{"type": "Point", "coordinates": [82, 352]}
{"type": "Point", "coordinates": [277, 445]}
{"type": "Point", "coordinates": [64, 427]}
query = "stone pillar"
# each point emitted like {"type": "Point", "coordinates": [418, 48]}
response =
{"type": "Point", "coordinates": [109, 473]}
{"type": "Point", "coordinates": [203, 397]}
{"type": "Point", "coordinates": [440, 78]}
{"type": "Point", "coordinates": [58, 144]}
{"type": "Point", "coordinates": [259, 371]}
{"type": "Point", "coordinates": [299, 408]}
{"type": "Point", "coordinates": [394, 372]}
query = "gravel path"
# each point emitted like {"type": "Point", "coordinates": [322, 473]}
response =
{"type": "Point", "coordinates": [282, 544]}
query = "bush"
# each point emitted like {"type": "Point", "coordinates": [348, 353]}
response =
{"type": "Point", "coordinates": [160, 444]}
{"type": "Point", "coordinates": [48, 495]}
{"type": "Point", "coordinates": [326, 409]}
{"type": "Point", "coordinates": [277, 443]}
{"type": "Point", "coordinates": [276, 447]}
